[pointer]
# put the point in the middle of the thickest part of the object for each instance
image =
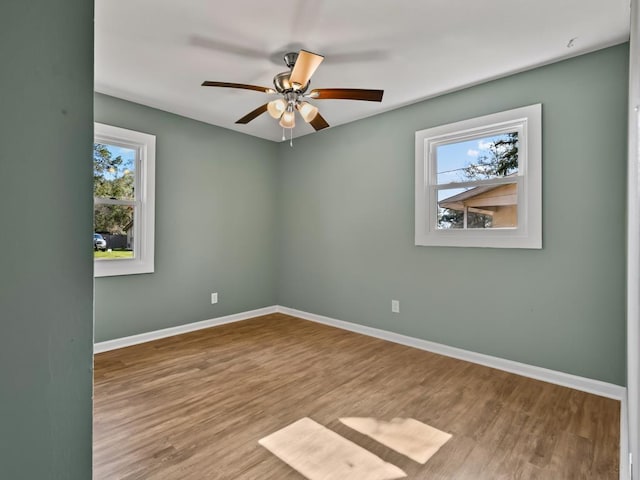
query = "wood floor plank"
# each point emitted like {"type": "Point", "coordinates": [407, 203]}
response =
{"type": "Point", "coordinates": [194, 406]}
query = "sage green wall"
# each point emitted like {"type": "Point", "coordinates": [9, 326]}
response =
{"type": "Point", "coordinates": [46, 267]}
{"type": "Point", "coordinates": [346, 220]}
{"type": "Point", "coordinates": [215, 232]}
{"type": "Point", "coordinates": [327, 227]}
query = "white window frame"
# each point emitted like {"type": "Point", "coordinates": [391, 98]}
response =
{"type": "Point", "coordinates": [527, 121]}
{"type": "Point", "coordinates": [144, 212]}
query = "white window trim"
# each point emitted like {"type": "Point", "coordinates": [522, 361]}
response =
{"type": "Point", "coordinates": [528, 234]}
{"type": "Point", "coordinates": [144, 213]}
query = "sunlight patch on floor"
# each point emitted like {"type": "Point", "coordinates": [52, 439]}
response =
{"type": "Point", "coordinates": [321, 454]}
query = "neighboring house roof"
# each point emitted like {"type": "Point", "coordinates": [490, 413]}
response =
{"type": "Point", "coordinates": [473, 192]}
{"type": "Point", "coordinates": [485, 197]}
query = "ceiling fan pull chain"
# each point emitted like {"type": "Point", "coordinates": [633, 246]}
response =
{"type": "Point", "coordinates": [291, 138]}
{"type": "Point", "coordinates": [283, 136]}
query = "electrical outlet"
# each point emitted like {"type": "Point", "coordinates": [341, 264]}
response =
{"type": "Point", "coordinates": [214, 298]}
{"type": "Point", "coordinates": [395, 306]}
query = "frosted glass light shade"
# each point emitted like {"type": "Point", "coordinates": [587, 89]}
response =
{"type": "Point", "coordinates": [288, 120]}
{"type": "Point", "coordinates": [307, 111]}
{"type": "Point", "coordinates": [276, 107]}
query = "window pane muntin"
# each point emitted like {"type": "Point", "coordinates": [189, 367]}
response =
{"type": "Point", "coordinates": [114, 201]}
{"type": "Point", "coordinates": [475, 183]}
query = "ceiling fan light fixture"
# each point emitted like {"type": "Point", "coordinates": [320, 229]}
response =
{"type": "Point", "coordinates": [307, 111]}
{"type": "Point", "coordinates": [276, 107]}
{"type": "Point", "coordinates": [288, 119]}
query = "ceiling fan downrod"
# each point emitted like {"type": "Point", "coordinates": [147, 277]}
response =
{"type": "Point", "coordinates": [290, 59]}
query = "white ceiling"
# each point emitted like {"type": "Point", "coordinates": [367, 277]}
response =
{"type": "Point", "coordinates": [158, 52]}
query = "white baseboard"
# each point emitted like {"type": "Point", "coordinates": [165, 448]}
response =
{"type": "Point", "coordinates": [588, 385]}
{"type": "Point", "coordinates": [169, 332]}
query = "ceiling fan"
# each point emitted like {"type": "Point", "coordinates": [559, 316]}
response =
{"type": "Point", "coordinates": [292, 87]}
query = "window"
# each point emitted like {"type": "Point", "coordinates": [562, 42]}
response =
{"type": "Point", "coordinates": [479, 182]}
{"type": "Point", "coordinates": [123, 201]}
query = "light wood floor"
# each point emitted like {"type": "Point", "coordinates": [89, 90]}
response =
{"type": "Point", "coordinates": [194, 407]}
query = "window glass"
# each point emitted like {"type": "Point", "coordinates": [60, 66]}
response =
{"type": "Point", "coordinates": [486, 206]}
{"type": "Point", "coordinates": [113, 172]}
{"type": "Point", "coordinates": [114, 223]}
{"type": "Point", "coordinates": [114, 169]}
{"type": "Point", "coordinates": [478, 159]}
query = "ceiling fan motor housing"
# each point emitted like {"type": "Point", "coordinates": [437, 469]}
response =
{"type": "Point", "coordinates": [282, 80]}
{"type": "Point", "coordinates": [282, 84]}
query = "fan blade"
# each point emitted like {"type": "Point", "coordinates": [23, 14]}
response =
{"type": "Point", "coordinates": [306, 65]}
{"type": "Point", "coordinates": [255, 113]}
{"type": "Point", "coordinates": [319, 122]}
{"type": "Point", "coordinates": [347, 94]}
{"type": "Point", "coordinates": [238, 85]}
